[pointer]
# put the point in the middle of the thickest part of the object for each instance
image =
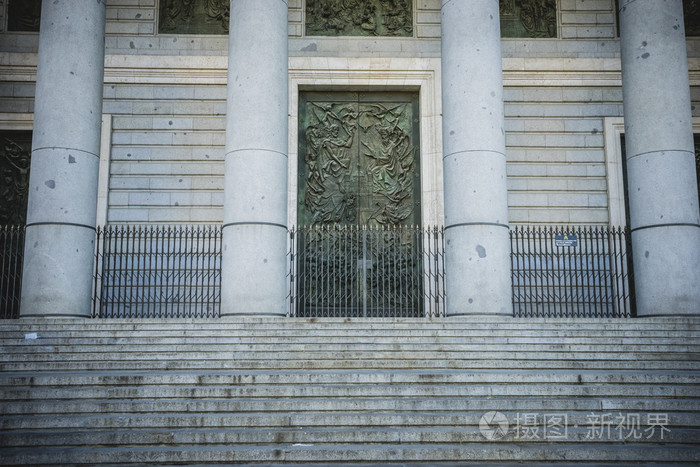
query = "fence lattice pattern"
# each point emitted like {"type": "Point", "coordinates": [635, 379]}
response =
{"type": "Point", "coordinates": [352, 271]}
{"type": "Point", "coordinates": [11, 258]}
{"type": "Point", "coordinates": [175, 271]}
{"type": "Point", "coordinates": [158, 272]}
{"type": "Point", "coordinates": [590, 279]}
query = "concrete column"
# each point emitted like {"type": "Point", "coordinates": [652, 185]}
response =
{"type": "Point", "coordinates": [662, 183]}
{"type": "Point", "coordinates": [59, 249]}
{"type": "Point", "coordinates": [477, 256]}
{"type": "Point", "coordinates": [255, 185]}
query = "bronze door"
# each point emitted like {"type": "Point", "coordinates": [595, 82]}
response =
{"type": "Point", "coordinates": [359, 168]}
{"type": "Point", "coordinates": [15, 154]}
{"type": "Point", "coordinates": [359, 159]}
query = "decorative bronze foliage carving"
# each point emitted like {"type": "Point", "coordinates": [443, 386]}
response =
{"type": "Point", "coordinates": [23, 15]}
{"type": "Point", "coordinates": [359, 164]}
{"type": "Point", "coordinates": [194, 16]}
{"type": "Point", "coordinates": [15, 153]}
{"type": "Point", "coordinates": [528, 18]}
{"type": "Point", "coordinates": [359, 18]}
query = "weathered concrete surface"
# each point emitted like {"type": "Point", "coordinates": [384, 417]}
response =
{"type": "Point", "coordinates": [60, 238]}
{"type": "Point", "coordinates": [663, 189]}
{"type": "Point", "coordinates": [477, 263]}
{"type": "Point", "coordinates": [255, 183]}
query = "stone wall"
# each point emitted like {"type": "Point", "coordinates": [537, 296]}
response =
{"type": "Point", "coordinates": [168, 125]}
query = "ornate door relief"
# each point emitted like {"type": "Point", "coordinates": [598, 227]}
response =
{"type": "Point", "coordinates": [359, 166]}
{"type": "Point", "coordinates": [15, 150]}
{"type": "Point", "coordinates": [359, 159]}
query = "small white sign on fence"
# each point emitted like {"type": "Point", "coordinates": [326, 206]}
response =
{"type": "Point", "coordinates": [566, 241]}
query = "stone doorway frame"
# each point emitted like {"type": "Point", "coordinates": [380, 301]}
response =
{"type": "Point", "coordinates": [367, 75]}
{"type": "Point", "coordinates": [614, 127]}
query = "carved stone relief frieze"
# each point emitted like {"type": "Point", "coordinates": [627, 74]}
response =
{"type": "Point", "coordinates": [23, 15]}
{"type": "Point", "coordinates": [359, 18]}
{"type": "Point", "coordinates": [691, 14]}
{"type": "Point", "coordinates": [528, 18]}
{"type": "Point", "coordinates": [193, 16]}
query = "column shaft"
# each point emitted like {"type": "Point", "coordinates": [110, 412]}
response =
{"type": "Point", "coordinates": [477, 256]}
{"type": "Point", "coordinates": [255, 184]}
{"type": "Point", "coordinates": [663, 197]}
{"type": "Point", "coordinates": [59, 249]}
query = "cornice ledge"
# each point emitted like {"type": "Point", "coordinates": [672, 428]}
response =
{"type": "Point", "coordinates": [169, 69]}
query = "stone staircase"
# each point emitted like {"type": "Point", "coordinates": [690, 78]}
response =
{"type": "Point", "coordinates": [357, 391]}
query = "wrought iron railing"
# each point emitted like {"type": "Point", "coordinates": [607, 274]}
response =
{"type": "Point", "coordinates": [572, 272]}
{"type": "Point", "coordinates": [11, 258]}
{"type": "Point", "coordinates": [157, 272]}
{"type": "Point", "coordinates": [175, 271]}
{"type": "Point", "coordinates": [354, 271]}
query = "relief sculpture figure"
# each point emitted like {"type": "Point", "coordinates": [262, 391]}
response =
{"type": "Point", "coordinates": [360, 163]}
{"type": "Point", "coordinates": [329, 139]}
{"type": "Point", "coordinates": [194, 16]}
{"type": "Point", "coordinates": [14, 165]}
{"type": "Point", "coordinates": [538, 17]}
{"type": "Point", "coordinates": [359, 17]}
{"type": "Point", "coordinates": [528, 18]}
{"type": "Point", "coordinates": [387, 145]}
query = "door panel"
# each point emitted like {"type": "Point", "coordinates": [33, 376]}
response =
{"type": "Point", "coordinates": [359, 165]}
{"type": "Point", "coordinates": [359, 160]}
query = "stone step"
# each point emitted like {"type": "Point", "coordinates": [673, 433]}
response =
{"type": "Point", "coordinates": [379, 340]}
{"type": "Point", "coordinates": [366, 376]}
{"type": "Point", "coordinates": [154, 347]}
{"type": "Point", "coordinates": [475, 402]}
{"type": "Point", "coordinates": [359, 390]}
{"type": "Point", "coordinates": [101, 364]}
{"type": "Point", "coordinates": [478, 320]}
{"type": "Point", "coordinates": [344, 330]}
{"type": "Point", "coordinates": [318, 391]}
{"type": "Point", "coordinates": [324, 435]}
{"type": "Point", "coordinates": [327, 453]}
{"type": "Point", "coordinates": [349, 327]}
{"type": "Point", "coordinates": [303, 418]}
{"type": "Point", "coordinates": [277, 354]}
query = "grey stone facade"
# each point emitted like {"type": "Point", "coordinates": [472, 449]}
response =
{"type": "Point", "coordinates": [165, 96]}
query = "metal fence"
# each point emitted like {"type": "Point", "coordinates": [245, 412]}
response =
{"type": "Point", "coordinates": [352, 271]}
{"type": "Point", "coordinates": [11, 258]}
{"type": "Point", "coordinates": [175, 271]}
{"type": "Point", "coordinates": [157, 272]}
{"type": "Point", "coordinates": [571, 272]}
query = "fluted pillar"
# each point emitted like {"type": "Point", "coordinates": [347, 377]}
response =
{"type": "Point", "coordinates": [477, 264]}
{"type": "Point", "coordinates": [60, 238]}
{"type": "Point", "coordinates": [663, 196]}
{"type": "Point", "coordinates": [255, 184]}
